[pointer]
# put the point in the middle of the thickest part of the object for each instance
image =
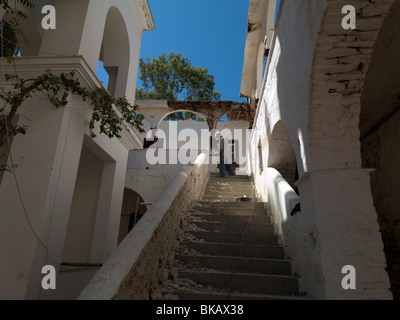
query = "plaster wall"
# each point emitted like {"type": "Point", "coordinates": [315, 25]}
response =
{"type": "Point", "coordinates": [136, 267]}
{"type": "Point", "coordinates": [379, 139]}
{"type": "Point", "coordinates": [149, 180]}
{"type": "Point", "coordinates": [337, 225]}
{"type": "Point", "coordinates": [381, 153]}
{"type": "Point", "coordinates": [84, 26]}
{"type": "Point", "coordinates": [48, 161]}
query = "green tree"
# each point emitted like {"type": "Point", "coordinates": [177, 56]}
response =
{"type": "Point", "coordinates": [172, 77]}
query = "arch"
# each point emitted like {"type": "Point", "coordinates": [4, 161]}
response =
{"type": "Point", "coordinates": [133, 208]}
{"type": "Point", "coordinates": [183, 134]}
{"type": "Point", "coordinates": [28, 38]}
{"type": "Point", "coordinates": [202, 116]}
{"type": "Point", "coordinates": [337, 80]}
{"type": "Point", "coordinates": [31, 46]}
{"type": "Point", "coordinates": [282, 156]}
{"type": "Point", "coordinates": [336, 188]}
{"type": "Point", "coordinates": [379, 132]}
{"type": "Point", "coordinates": [115, 52]}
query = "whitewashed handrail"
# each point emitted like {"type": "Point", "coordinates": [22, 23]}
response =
{"type": "Point", "coordinates": [133, 269]}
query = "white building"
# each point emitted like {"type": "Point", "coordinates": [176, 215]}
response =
{"type": "Point", "coordinates": [325, 135]}
{"type": "Point", "coordinates": [70, 186]}
{"type": "Point", "coordinates": [327, 124]}
{"type": "Point", "coordinates": [181, 140]}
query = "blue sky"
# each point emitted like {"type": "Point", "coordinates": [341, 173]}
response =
{"type": "Point", "coordinates": [211, 33]}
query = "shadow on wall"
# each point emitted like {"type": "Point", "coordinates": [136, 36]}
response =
{"type": "Point", "coordinates": [133, 209]}
{"type": "Point", "coordinates": [289, 220]}
{"type": "Point", "coordinates": [282, 199]}
{"type": "Point", "coordinates": [282, 156]}
{"type": "Point", "coordinates": [327, 115]}
{"type": "Point", "coordinates": [380, 134]}
{"type": "Point", "coordinates": [292, 61]}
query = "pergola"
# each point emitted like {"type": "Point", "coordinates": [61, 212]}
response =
{"type": "Point", "coordinates": [213, 111]}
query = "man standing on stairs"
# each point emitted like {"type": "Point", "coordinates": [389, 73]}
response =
{"type": "Point", "coordinates": [223, 162]}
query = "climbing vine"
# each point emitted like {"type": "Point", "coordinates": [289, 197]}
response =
{"type": "Point", "coordinates": [109, 113]}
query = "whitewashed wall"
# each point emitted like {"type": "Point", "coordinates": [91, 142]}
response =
{"type": "Point", "coordinates": [48, 157]}
{"type": "Point", "coordinates": [337, 214]}
{"type": "Point", "coordinates": [149, 180]}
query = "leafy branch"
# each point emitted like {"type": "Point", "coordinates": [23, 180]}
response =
{"type": "Point", "coordinates": [108, 113]}
{"type": "Point", "coordinates": [57, 90]}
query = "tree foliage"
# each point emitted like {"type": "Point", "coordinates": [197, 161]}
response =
{"type": "Point", "coordinates": [172, 77]}
{"type": "Point", "coordinates": [9, 28]}
{"type": "Point", "coordinates": [167, 77]}
{"type": "Point", "coordinates": [57, 88]}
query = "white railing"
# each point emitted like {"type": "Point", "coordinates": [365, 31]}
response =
{"type": "Point", "coordinates": [282, 199]}
{"type": "Point", "coordinates": [134, 269]}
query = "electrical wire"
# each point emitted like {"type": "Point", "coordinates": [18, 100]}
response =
{"type": "Point", "coordinates": [21, 198]}
{"type": "Point", "coordinates": [13, 166]}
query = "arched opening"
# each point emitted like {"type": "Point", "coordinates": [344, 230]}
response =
{"type": "Point", "coordinates": [9, 40]}
{"type": "Point", "coordinates": [380, 136]}
{"type": "Point", "coordinates": [19, 36]}
{"type": "Point", "coordinates": [182, 115]}
{"type": "Point", "coordinates": [186, 133]}
{"type": "Point", "coordinates": [114, 56]}
{"type": "Point", "coordinates": [233, 126]}
{"type": "Point", "coordinates": [282, 156]}
{"type": "Point", "coordinates": [133, 209]}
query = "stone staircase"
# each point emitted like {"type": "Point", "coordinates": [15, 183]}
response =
{"type": "Point", "coordinates": [229, 250]}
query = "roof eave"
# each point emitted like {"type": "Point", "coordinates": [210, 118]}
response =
{"type": "Point", "coordinates": [145, 15]}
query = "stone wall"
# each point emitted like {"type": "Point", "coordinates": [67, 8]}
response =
{"type": "Point", "coordinates": [133, 271]}
{"type": "Point", "coordinates": [380, 134]}
{"type": "Point", "coordinates": [381, 152]}
{"type": "Point", "coordinates": [338, 223]}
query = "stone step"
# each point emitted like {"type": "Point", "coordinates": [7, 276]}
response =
{"type": "Point", "coordinates": [236, 227]}
{"type": "Point", "coordinates": [237, 177]}
{"type": "Point", "coordinates": [235, 194]}
{"type": "Point", "coordinates": [210, 296]}
{"type": "Point", "coordinates": [211, 198]}
{"type": "Point", "coordinates": [239, 264]}
{"type": "Point", "coordinates": [237, 250]}
{"type": "Point", "coordinates": [236, 238]}
{"type": "Point", "coordinates": [244, 282]}
{"type": "Point", "coordinates": [235, 205]}
{"type": "Point", "coordinates": [226, 183]}
{"type": "Point", "coordinates": [234, 211]}
{"type": "Point", "coordinates": [227, 218]}
{"type": "Point", "coordinates": [232, 196]}
{"type": "Point", "coordinates": [227, 188]}
{"type": "Point", "coordinates": [229, 178]}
